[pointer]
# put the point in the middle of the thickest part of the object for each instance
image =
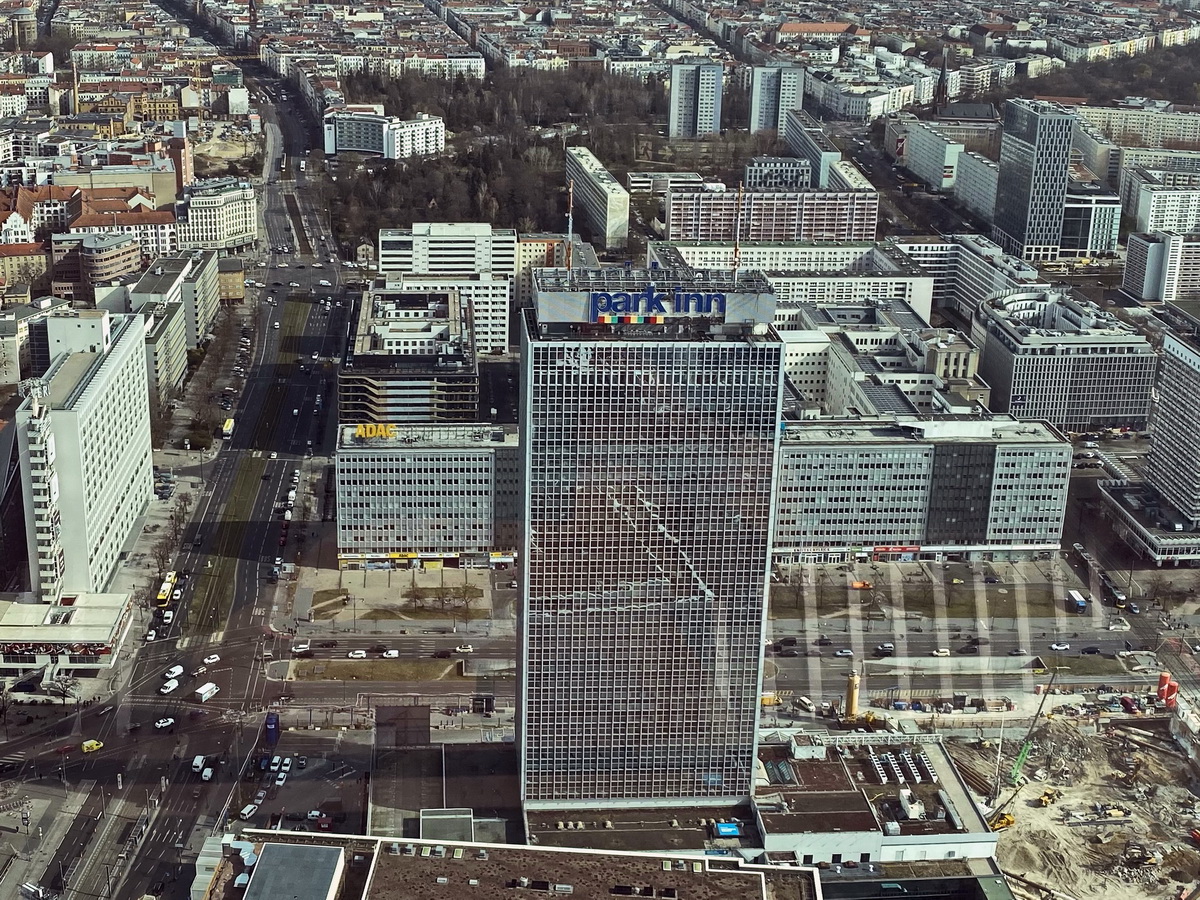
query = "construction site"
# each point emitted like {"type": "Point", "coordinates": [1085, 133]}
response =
{"type": "Point", "coordinates": [1089, 807]}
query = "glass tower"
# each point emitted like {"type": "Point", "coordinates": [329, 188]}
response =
{"type": "Point", "coordinates": [649, 482]}
{"type": "Point", "coordinates": [1031, 191]}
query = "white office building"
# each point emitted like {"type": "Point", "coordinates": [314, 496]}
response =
{"type": "Point", "coordinates": [695, 99]}
{"type": "Point", "coordinates": [447, 248]}
{"type": "Point", "coordinates": [650, 427]}
{"type": "Point", "coordinates": [932, 156]}
{"type": "Point", "coordinates": [369, 131]}
{"type": "Point", "coordinates": [777, 173]}
{"type": "Point", "coordinates": [774, 92]}
{"type": "Point", "coordinates": [807, 139]}
{"type": "Point", "coordinates": [489, 295]}
{"type": "Point", "coordinates": [903, 488]}
{"type": "Point", "coordinates": [604, 201]}
{"type": "Point", "coordinates": [188, 277]}
{"type": "Point", "coordinates": [218, 214]}
{"type": "Point", "coordinates": [975, 185]}
{"type": "Point", "coordinates": [1049, 357]}
{"type": "Point", "coordinates": [415, 495]}
{"type": "Point", "coordinates": [83, 434]}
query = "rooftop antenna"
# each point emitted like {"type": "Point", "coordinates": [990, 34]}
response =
{"type": "Point", "coordinates": [570, 217]}
{"type": "Point", "coordinates": [737, 226]}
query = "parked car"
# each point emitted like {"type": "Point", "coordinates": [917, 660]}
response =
{"type": "Point", "coordinates": [357, 654]}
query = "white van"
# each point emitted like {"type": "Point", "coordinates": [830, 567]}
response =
{"type": "Point", "coordinates": [805, 704]}
{"type": "Point", "coordinates": [276, 762]}
{"type": "Point", "coordinates": [248, 812]}
{"type": "Point", "coordinates": [199, 763]}
{"type": "Point", "coordinates": [206, 775]}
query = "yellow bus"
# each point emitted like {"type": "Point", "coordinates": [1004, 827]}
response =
{"type": "Point", "coordinates": [167, 589]}
{"type": "Point", "coordinates": [227, 429]}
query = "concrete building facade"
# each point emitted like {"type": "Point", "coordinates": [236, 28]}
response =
{"type": "Point", "coordinates": [604, 202]}
{"type": "Point", "coordinates": [696, 89]}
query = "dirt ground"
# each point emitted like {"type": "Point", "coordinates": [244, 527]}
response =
{"type": "Point", "coordinates": [1124, 786]}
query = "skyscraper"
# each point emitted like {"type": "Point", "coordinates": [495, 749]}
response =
{"type": "Point", "coordinates": [1174, 463]}
{"type": "Point", "coordinates": [1035, 157]}
{"type": "Point", "coordinates": [650, 424]}
{"type": "Point", "coordinates": [774, 92]}
{"type": "Point", "coordinates": [695, 99]}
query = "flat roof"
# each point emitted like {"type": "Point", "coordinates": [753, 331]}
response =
{"type": "Point", "coordinates": [71, 371]}
{"type": "Point", "coordinates": [443, 870]}
{"type": "Point", "coordinates": [484, 436]}
{"type": "Point", "coordinates": [890, 430]}
{"type": "Point", "coordinates": [77, 618]}
{"type": "Point", "coordinates": [295, 872]}
{"type": "Point", "coordinates": [645, 830]}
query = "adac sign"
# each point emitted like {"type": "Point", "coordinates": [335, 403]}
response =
{"type": "Point", "coordinates": [651, 304]}
{"type": "Point", "coordinates": [375, 431]}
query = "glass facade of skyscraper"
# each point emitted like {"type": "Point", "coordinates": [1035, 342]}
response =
{"type": "Point", "coordinates": [649, 475]}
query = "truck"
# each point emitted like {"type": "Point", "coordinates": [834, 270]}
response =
{"type": "Point", "coordinates": [206, 692]}
{"type": "Point", "coordinates": [271, 729]}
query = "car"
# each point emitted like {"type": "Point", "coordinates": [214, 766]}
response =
{"type": "Point", "coordinates": [151, 635]}
{"type": "Point", "coordinates": [277, 283]}
{"type": "Point", "coordinates": [279, 562]}
{"type": "Point", "coordinates": [464, 648]}
{"type": "Point", "coordinates": [789, 652]}
{"type": "Point", "coordinates": [969, 648]}
{"type": "Point", "coordinates": [173, 672]}
{"type": "Point", "coordinates": [281, 779]}
{"type": "Point", "coordinates": [274, 454]}
{"type": "Point", "coordinates": [941, 651]}
{"type": "Point", "coordinates": [260, 797]}
{"type": "Point", "coordinates": [1018, 651]}
{"type": "Point", "coordinates": [823, 641]}
{"type": "Point", "coordinates": [513, 584]}
{"type": "Point", "coordinates": [391, 654]}
{"type": "Point", "coordinates": [298, 266]}
{"type": "Point", "coordinates": [357, 654]}
{"type": "Point", "coordinates": [293, 284]}
{"type": "Point", "coordinates": [287, 765]}
{"type": "Point", "coordinates": [315, 355]}
{"type": "Point", "coordinates": [1059, 646]}
{"type": "Point", "coordinates": [327, 644]}
{"type": "Point", "coordinates": [1090, 651]}
{"type": "Point", "coordinates": [177, 595]}
{"type": "Point", "coordinates": [844, 653]}
{"type": "Point", "coordinates": [168, 617]}
{"type": "Point", "coordinates": [282, 265]}
{"type": "Point", "coordinates": [282, 541]}
{"type": "Point", "coordinates": [212, 660]}
{"type": "Point", "coordinates": [887, 648]}
{"type": "Point", "coordinates": [199, 670]}
{"type": "Point", "coordinates": [991, 579]}
{"type": "Point", "coordinates": [275, 325]}
{"type": "Point", "coordinates": [302, 762]}
{"type": "Point", "coordinates": [314, 814]}
{"type": "Point", "coordinates": [91, 746]}
{"type": "Point", "coordinates": [442, 654]}
{"type": "Point", "coordinates": [957, 581]}
{"type": "Point", "coordinates": [325, 283]}
{"type": "Point", "coordinates": [169, 687]}
{"type": "Point", "coordinates": [164, 723]}
{"type": "Point", "coordinates": [1134, 608]}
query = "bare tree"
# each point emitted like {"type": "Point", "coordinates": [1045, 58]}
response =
{"type": "Point", "coordinates": [162, 551]}
{"type": "Point", "coordinates": [63, 686]}
{"type": "Point", "coordinates": [183, 503]}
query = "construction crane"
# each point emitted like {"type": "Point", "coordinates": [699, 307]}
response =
{"type": "Point", "coordinates": [1027, 744]}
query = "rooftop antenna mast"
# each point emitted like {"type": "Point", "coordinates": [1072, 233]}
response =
{"type": "Point", "coordinates": [570, 217]}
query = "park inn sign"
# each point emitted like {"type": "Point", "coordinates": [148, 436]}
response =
{"type": "Point", "coordinates": [651, 304]}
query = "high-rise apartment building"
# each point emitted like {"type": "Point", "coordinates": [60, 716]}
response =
{"type": "Point", "coordinates": [845, 215]}
{"type": "Point", "coordinates": [1173, 467]}
{"type": "Point", "coordinates": [603, 199]}
{"type": "Point", "coordinates": [774, 92]}
{"type": "Point", "coordinates": [650, 428]}
{"type": "Point", "coordinates": [447, 248]}
{"type": "Point", "coordinates": [189, 277]}
{"type": "Point", "coordinates": [83, 432]}
{"type": "Point", "coordinates": [1163, 266]}
{"type": "Point", "coordinates": [695, 99]}
{"type": "Point", "coordinates": [1035, 159]}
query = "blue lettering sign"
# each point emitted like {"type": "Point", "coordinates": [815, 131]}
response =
{"type": "Point", "coordinates": [605, 306]}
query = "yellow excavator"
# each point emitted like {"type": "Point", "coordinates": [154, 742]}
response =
{"type": "Point", "coordinates": [1000, 818]}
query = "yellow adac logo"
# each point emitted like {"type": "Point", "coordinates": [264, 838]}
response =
{"type": "Point", "coordinates": [375, 431]}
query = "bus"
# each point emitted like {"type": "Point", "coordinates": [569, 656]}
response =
{"type": "Point", "coordinates": [170, 580]}
{"type": "Point", "coordinates": [227, 429]}
{"type": "Point", "coordinates": [1076, 601]}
